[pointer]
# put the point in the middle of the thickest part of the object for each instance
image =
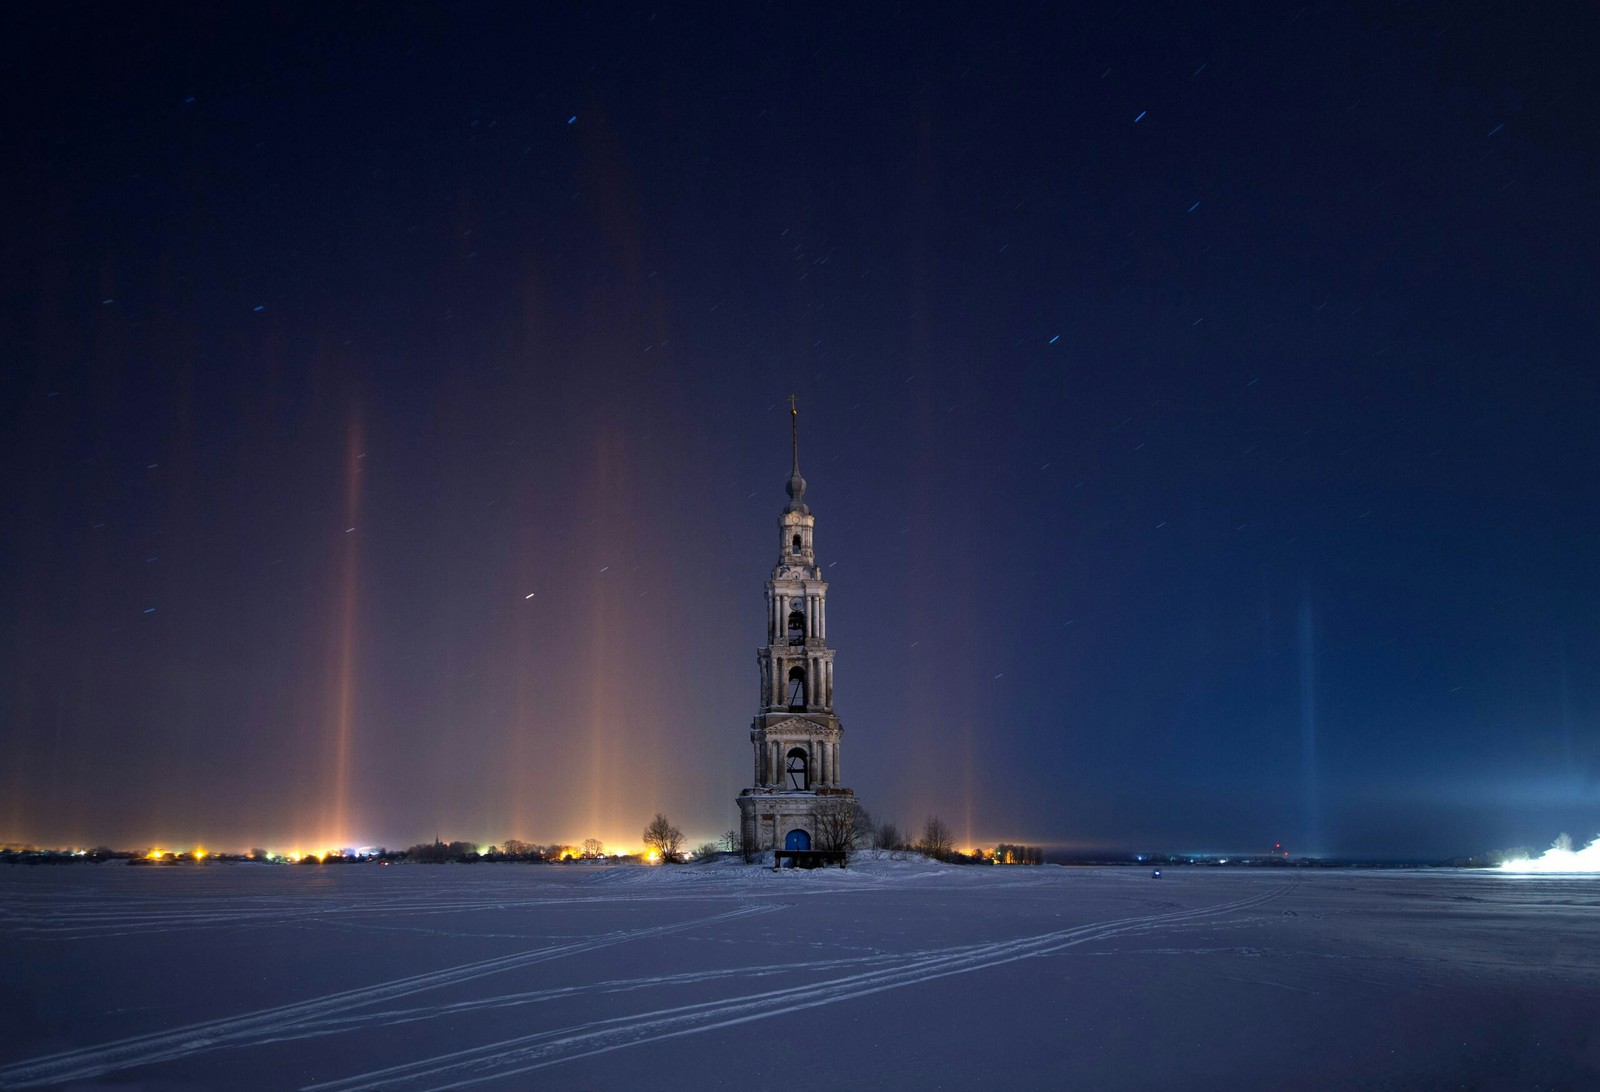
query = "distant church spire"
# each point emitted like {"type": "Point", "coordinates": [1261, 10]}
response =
{"type": "Point", "coordinates": [797, 485]}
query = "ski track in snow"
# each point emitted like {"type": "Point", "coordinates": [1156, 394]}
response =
{"type": "Point", "coordinates": [341, 1012]}
{"type": "Point", "coordinates": [265, 1024]}
{"type": "Point", "coordinates": [75, 921]}
{"type": "Point", "coordinates": [617, 985]}
{"type": "Point", "coordinates": [523, 1054]}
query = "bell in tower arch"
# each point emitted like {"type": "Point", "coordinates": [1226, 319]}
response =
{"type": "Point", "coordinates": [797, 627]}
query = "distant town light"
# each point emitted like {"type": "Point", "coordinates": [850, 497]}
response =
{"type": "Point", "coordinates": [1560, 857]}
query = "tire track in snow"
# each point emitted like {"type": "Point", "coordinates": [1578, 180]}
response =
{"type": "Point", "coordinates": [524, 1054]}
{"type": "Point", "coordinates": [79, 1065]}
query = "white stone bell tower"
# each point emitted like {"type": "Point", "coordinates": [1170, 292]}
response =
{"type": "Point", "coordinates": [795, 736]}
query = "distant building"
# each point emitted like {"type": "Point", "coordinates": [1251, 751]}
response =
{"type": "Point", "coordinates": [795, 736]}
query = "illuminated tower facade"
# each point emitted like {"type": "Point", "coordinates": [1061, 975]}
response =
{"type": "Point", "coordinates": [795, 735]}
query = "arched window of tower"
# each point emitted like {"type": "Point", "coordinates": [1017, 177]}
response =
{"type": "Point", "coordinates": [799, 768]}
{"type": "Point", "coordinates": [797, 627]}
{"type": "Point", "coordinates": [797, 688]}
{"type": "Point", "coordinates": [794, 547]}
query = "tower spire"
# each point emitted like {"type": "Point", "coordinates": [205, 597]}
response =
{"type": "Point", "coordinates": [794, 434]}
{"type": "Point", "coordinates": [797, 485]}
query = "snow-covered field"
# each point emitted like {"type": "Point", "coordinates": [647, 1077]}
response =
{"type": "Point", "coordinates": [891, 974]}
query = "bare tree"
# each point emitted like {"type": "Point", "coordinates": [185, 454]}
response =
{"type": "Point", "coordinates": [836, 820]}
{"type": "Point", "coordinates": [664, 838]}
{"type": "Point", "coordinates": [440, 852]}
{"type": "Point", "coordinates": [887, 836]}
{"type": "Point", "coordinates": [1006, 853]}
{"type": "Point", "coordinates": [866, 829]}
{"type": "Point", "coordinates": [936, 840]}
{"type": "Point", "coordinates": [593, 847]}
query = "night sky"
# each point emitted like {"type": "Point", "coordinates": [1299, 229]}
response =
{"type": "Point", "coordinates": [1198, 404]}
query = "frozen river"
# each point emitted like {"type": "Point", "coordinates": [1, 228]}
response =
{"type": "Point", "coordinates": [892, 974]}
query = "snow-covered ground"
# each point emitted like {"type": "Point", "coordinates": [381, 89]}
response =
{"type": "Point", "coordinates": [891, 974]}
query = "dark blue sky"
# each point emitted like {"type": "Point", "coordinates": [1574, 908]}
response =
{"type": "Point", "coordinates": [1198, 407]}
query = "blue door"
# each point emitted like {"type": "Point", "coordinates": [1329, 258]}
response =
{"type": "Point", "coordinates": [797, 839]}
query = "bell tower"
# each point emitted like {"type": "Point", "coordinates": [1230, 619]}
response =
{"type": "Point", "coordinates": [795, 735]}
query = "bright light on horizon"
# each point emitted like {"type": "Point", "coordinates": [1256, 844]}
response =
{"type": "Point", "coordinates": [1560, 857]}
{"type": "Point", "coordinates": [200, 851]}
